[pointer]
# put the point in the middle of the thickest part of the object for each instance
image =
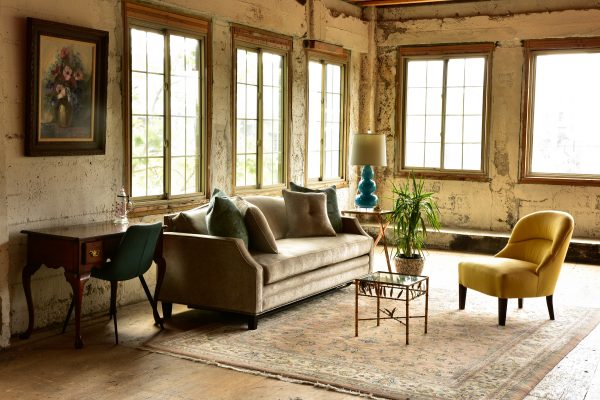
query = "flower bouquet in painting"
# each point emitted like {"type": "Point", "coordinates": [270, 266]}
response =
{"type": "Point", "coordinates": [67, 90]}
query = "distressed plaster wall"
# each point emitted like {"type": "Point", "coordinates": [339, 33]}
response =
{"type": "Point", "coordinates": [38, 192]}
{"type": "Point", "coordinates": [497, 204]}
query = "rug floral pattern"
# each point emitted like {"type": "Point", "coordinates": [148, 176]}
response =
{"type": "Point", "coordinates": [464, 355]}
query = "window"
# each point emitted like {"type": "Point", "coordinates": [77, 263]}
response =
{"type": "Point", "coordinates": [260, 110]}
{"type": "Point", "coordinates": [562, 123]}
{"type": "Point", "coordinates": [166, 123]}
{"type": "Point", "coordinates": [444, 108]}
{"type": "Point", "coordinates": [326, 117]}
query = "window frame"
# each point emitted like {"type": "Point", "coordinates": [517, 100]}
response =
{"type": "Point", "coordinates": [325, 53]}
{"type": "Point", "coordinates": [531, 49]}
{"type": "Point", "coordinates": [443, 52]}
{"type": "Point", "coordinates": [166, 22]}
{"type": "Point", "coordinates": [261, 41]}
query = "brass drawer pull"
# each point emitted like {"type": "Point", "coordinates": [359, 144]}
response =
{"type": "Point", "coordinates": [94, 253]}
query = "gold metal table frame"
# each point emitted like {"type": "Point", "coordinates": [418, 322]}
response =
{"type": "Point", "coordinates": [392, 286]}
{"type": "Point", "coordinates": [383, 223]}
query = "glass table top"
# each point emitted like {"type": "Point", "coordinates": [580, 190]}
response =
{"type": "Point", "coordinates": [392, 279]}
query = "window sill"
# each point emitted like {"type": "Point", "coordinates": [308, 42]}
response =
{"type": "Point", "coordinates": [155, 207]}
{"type": "Point", "coordinates": [268, 191]}
{"type": "Point", "coordinates": [561, 180]}
{"type": "Point", "coordinates": [443, 175]}
{"type": "Point", "coordinates": [339, 184]}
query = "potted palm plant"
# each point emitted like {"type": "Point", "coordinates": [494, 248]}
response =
{"type": "Point", "coordinates": [413, 209]}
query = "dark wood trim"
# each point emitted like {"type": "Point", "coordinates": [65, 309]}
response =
{"type": "Point", "coordinates": [163, 16]}
{"type": "Point", "coordinates": [530, 48]}
{"type": "Point", "coordinates": [562, 43]}
{"type": "Point", "coordinates": [328, 51]}
{"type": "Point", "coordinates": [261, 37]}
{"type": "Point", "coordinates": [446, 49]}
{"type": "Point", "coordinates": [443, 175]}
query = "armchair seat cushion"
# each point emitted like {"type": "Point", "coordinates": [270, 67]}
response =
{"type": "Point", "coordinates": [500, 277]}
{"type": "Point", "coordinates": [300, 255]}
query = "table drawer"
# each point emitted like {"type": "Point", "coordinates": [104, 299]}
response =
{"type": "Point", "coordinates": [93, 252]}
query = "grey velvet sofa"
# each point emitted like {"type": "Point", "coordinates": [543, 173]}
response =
{"type": "Point", "coordinates": [220, 273]}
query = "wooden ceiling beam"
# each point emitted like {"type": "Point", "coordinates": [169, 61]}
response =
{"type": "Point", "coordinates": [366, 3]}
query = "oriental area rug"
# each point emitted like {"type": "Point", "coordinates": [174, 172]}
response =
{"type": "Point", "coordinates": [464, 355]}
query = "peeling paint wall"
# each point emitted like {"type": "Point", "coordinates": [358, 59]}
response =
{"type": "Point", "coordinates": [498, 204]}
{"type": "Point", "coordinates": [38, 192]}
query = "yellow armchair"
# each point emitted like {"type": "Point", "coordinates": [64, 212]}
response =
{"type": "Point", "coordinates": [528, 266]}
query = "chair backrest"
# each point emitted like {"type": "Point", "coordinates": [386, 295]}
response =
{"type": "Point", "coordinates": [541, 238]}
{"type": "Point", "coordinates": [135, 252]}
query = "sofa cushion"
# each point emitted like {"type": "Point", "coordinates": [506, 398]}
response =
{"type": "Point", "coordinates": [192, 221]}
{"type": "Point", "coordinates": [260, 237]}
{"type": "Point", "coordinates": [300, 255]}
{"type": "Point", "coordinates": [224, 219]}
{"type": "Point", "coordinates": [273, 208]}
{"type": "Point", "coordinates": [307, 214]}
{"type": "Point", "coordinates": [333, 210]}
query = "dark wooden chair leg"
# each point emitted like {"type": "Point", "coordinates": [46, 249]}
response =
{"type": "Point", "coordinates": [462, 296]}
{"type": "Point", "coordinates": [167, 309]}
{"type": "Point", "coordinates": [252, 322]}
{"type": "Point", "coordinates": [520, 303]}
{"type": "Point", "coordinates": [113, 307]}
{"type": "Point", "coordinates": [502, 305]}
{"type": "Point", "coordinates": [550, 307]}
{"type": "Point", "coordinates": [69, 314]}
{"type": "Point", "coordinates": [157, 319]}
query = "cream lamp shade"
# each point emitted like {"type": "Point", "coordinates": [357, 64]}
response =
{"type": "Point", "coordinates": [368, 149]}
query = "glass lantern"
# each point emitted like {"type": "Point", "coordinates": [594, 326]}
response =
{"type": "Point", "coordinates": [122, 207]}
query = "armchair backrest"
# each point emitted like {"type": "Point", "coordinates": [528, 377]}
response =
{"type": "Point", "coordinates": [541, 238]}
{"type": "Point", "coordinates": [135, 252]}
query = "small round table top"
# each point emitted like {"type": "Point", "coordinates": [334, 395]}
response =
{"type": "Point", "coordinates": [366, 211]}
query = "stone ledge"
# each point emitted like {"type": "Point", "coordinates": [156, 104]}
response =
{"type": "Point", "coordinates": [581, 250]}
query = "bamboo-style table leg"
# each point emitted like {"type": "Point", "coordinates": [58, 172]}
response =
{"type": "Point", "coordinates": [382, 227]}
{"type": "Point", "coordinates": [426, 302]}
{"type": "Point", "coordinates": [407, 315]}
{"type": "Point", "coordinates": [356, 309]}
{"type": "Point", "coordinates": [378, 291]}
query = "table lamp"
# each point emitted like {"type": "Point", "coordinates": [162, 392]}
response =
{"type": "Point", "coordinates": [367, 149]}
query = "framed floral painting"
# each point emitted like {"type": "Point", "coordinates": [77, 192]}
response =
{"type": "Point", "coordinates": [66, 94]}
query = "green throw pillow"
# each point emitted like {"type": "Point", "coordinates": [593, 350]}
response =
{"type": "Point", "coordinates": [224, 219]}
{"type": "Point", "coordinates": [333, 210]}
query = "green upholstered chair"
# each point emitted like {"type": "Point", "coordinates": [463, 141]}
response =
{"type": "Point", "coordinates": [528, 266]}
{"type": "Point", "coordinates": [132, 260]}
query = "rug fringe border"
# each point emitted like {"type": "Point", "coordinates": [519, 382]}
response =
{"type": "Point", "coordinates": [322, 385]}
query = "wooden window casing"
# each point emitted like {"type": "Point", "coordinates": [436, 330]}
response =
{"type": "Point", "coordinates": [166, 22]}
{"type": "Point", "coordinates": [259, 41]}
{"type": "Point", "coordinates": [444, 53]}
{"type": "Point", "coordinates": [325, 54]}
{"type": "Point", "coordinates": [531, 49]}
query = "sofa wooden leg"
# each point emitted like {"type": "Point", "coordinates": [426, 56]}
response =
{"type": "Point", "coordinates": [550, 307]}
{"type": "Point", "coordinates": [167, 309]}
{"type": "Point", "coordinates": [520, 303]}
{"type": "Point", "coordinates": [502, 305]}
{"type": "Point", "coordinates": [252, 322]}
{"type": "Point", "coordinates": [462, 296]}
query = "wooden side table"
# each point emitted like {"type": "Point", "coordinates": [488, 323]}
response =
{"type": "Point", "coordinates": [383, 224]}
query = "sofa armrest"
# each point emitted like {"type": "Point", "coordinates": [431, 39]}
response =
{"type": "Point", "coordinates": [351, 225]}
{"type": "Point", "coordinates": [212, 272]}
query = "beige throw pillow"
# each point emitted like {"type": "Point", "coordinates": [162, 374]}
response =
{"type": "Point", "coordinates": [260, 234]}
{"type": "Point", "coordinates": [307, 214]}
{"type": "Point", "coordinates": [192, 221]}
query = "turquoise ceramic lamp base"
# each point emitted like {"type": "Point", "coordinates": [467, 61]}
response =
{"type": "Point", "coordinates": [366, 188]}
